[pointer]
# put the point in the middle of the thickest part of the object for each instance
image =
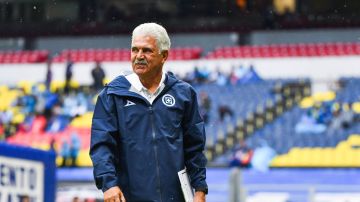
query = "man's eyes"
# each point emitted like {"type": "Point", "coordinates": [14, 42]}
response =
{"type": "Point", "coordinates": [144, 50]}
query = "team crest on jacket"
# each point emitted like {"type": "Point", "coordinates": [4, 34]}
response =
{"type": "Point", "coordinates": [168, 100]}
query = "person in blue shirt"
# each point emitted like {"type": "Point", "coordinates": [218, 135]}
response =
{"type": "Point", "coordinates": [147, 127]}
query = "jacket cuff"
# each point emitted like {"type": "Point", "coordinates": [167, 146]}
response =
{"type": "Point", "coordinates": [202, 189]}
{"type": "Point", "coordinates": [105, 182]}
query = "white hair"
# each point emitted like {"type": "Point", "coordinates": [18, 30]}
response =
{"type": "Point", "coordinates": [155, 30]}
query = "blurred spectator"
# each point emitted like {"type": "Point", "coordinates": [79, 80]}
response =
{"type": "Point", "coordinates": [242, 155]}
{"type": "Point", "coordinates": [224, 111]}
{"type": "Point", "coordinates": [52, 145]}
{"type": "Point", "coordinates": [65, 152]}
{"type": "Point", "coordinates": [343, 118]}
{"type": "Point", "coordinates": [308, 124]}
{"type": "Point", "coordinates": [49, 74]}
{"type": "Point", "coordinates": [68, 74]}
{"type": "Point", "coordinates": [262, 157]}
{"type": "Point", "coordinates": [75, 104]}
{"type": "Point", "coordinates": [57, 123]}
{"type": "Point", "coordinates": [247, 75]}
{"type": "Point", "coordinates": [38, 124]}
{"type": "Point", "coordinates": [27, 124]}
{"type": "Point", "coordinates": [201, 76]}
{"type": "Point", "coordinates": [74, 148]}
{"type": "Point", "coordinates": [98, 76]}
{"type": "Point", "coordinates": [323, 113]}
{"type": "Point", "coordinates": [70, 103]}
{"type": "Point", "coordinates": [240, 71]}
{"type": "Point", "coordinates": [25, 198]}
{"type": "Point", "coordinates": [233, 77]}
{"type": "Point", "coordinates": [205, 106]}
{"type": "Point", "coordinates": [221, 79]}
{"type": "Point", "coordinates": [189, 77]}
{"type": "Point", "coordinates": [5, 117]}
{"type": "Point", "coordinates": [51, 99]}
{"type": "Point", "coordinates": [76, 199]}
{"type": "Point", "coordinates": [2, 132]}
{"type": "Point", "coordinates": [5, 120]}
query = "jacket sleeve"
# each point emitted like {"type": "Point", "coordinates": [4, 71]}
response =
{"type": "Point", "coordinates": [194, 143]}
{"type": "Point", "coordinates": [104, 144]}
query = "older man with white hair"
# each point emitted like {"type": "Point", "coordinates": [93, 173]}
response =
{"type": "Point", "coordinates": [147, 127]}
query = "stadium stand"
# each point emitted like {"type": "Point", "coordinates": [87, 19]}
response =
{"type": "Point", "coordinates": [255, 105]}
{"type": "Point", "coordinates": [249, 99]}
{"type": "Point", "coordinates": [334, 146]}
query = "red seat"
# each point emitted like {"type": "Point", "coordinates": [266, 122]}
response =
{"type": "Point", "coordinates": [38, 125]}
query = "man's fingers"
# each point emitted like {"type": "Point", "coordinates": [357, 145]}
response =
{"type": "Point", "coordinates": [117, 199]}
{"type": "Point", "coordinates": [123, 198]}
{"type": "Point", "coordinates": [113, 199]}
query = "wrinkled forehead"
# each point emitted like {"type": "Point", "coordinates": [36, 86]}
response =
{"type": "Point", "coordinates": [144, 40]}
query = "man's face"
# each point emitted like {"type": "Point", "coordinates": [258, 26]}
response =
{"type": "Point", "coordinates": [145, 56]}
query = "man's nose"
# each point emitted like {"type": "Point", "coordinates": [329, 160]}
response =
{"type": "Point", "coordinates": [140, 54]}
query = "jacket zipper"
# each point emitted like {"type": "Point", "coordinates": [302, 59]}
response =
{"type": "Point", "coordinates": [155, 150]}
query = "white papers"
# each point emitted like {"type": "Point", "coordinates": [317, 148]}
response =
{"type": "Point", "coordinates": [186, 186]}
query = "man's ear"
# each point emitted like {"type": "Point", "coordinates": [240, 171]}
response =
{"type": "Point", "coordinates": [165, 55]}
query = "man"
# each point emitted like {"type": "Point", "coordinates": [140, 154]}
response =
{"type": "Point", "coordinates": [68, 73]}
{"type": "Point", "coordinates": [146, 128]}
{"type": "Point", "coordinates": [98, 76]}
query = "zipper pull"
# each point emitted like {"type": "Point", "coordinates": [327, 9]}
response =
{"type": "Point", "coordinates": [150, 109]}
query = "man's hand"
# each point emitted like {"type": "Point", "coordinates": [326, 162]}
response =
{"type": "Point", "coordinates": [199, 196]}
{"type": "Point", "coordinates": [114, 194]}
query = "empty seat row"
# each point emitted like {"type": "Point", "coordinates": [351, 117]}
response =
{"type": "Point", "coordinates": [89, 55]}
{"type": "Point", "coordinates": [24, 56]}
{"type": "Point", "coordinates": [190, 53]}
{"type": "Point", "coordinates": [286, 50]}
{"type": "Point", "coordinates": [345, 154]}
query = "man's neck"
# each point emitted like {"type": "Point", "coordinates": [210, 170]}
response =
{"type": "Point", "coordinates": [152, 82]}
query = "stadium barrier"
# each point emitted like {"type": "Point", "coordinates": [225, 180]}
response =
{"type": "Point", "coordinates": [26, 172]}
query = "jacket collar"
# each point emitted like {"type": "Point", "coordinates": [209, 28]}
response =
{"type": "Point", "coordinates": [136, 83]}
{"type": "Point", "coordinates": [121, 86]}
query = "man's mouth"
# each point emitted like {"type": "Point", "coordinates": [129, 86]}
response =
{"type": "Point", "coordinates": [140, 63]}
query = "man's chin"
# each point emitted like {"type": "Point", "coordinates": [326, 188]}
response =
{"type": "Point", "coordinates": [140, 71]}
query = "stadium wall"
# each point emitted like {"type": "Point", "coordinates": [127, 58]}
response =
{"type": "Point", "coordinates": [26, 171]}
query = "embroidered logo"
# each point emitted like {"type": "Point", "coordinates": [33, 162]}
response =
{"type": "Point", "coordinates": [129, 103]}
{"type": "Point", "coordinates": [168, 100]}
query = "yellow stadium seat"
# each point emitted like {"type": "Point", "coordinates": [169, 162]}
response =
{"type": "Point", "coordinates": [56, 85]}
{"type": "Point", "coordinates": [7, 98]}
{"type": "Point", "coordinates": [26, 85]}
{"type": "Point", "coordinates": [307, 102]}
{"type": "Point", "coordinates": [41, 87]}
{"type": "Point", "coordinates": [106, 81]}
{"type": "Point", "coordinates": [356, 107]}
{"type": "Point", "coordinates": [18, 118]}
{"type": "Point", "coordinates": [83, 121]}
{"type": "Point", "coordinates": [3, 89]}
{"type": "Point", "coordinates": [354, 139]}
{"type": "Point", "coordinates": [74, 84]}
{"type": "Point", "coordinates": [324, 96]}
{"type": "Point", "coordinates": [344, 155]}
{"type": "Point", "coordinates": [84, 159]}
{"type": "Point", "coordinates": [344, 145]}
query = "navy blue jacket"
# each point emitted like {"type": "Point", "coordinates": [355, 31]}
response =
{"type": "Point", "coordinates": [140, 147]}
